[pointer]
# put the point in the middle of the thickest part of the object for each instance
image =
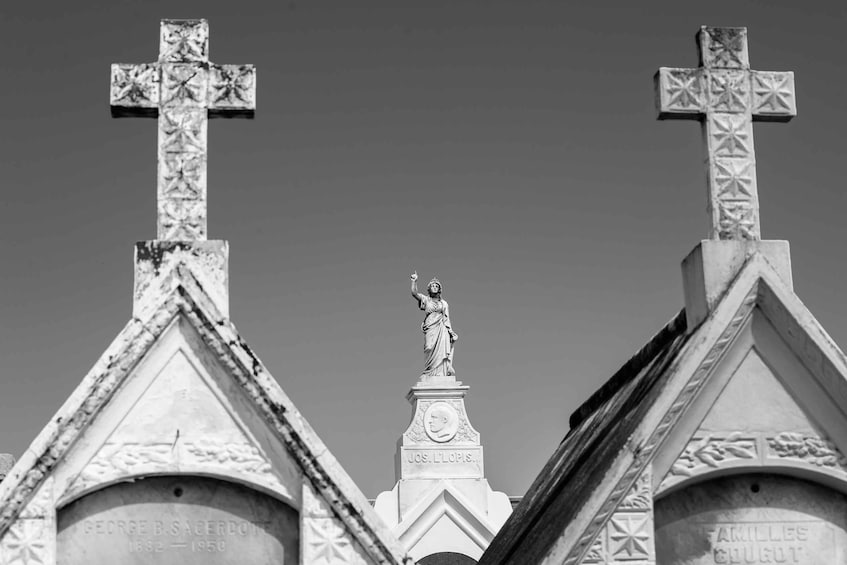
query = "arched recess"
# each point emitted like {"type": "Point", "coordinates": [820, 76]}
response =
{"type": "Point", "coordinates": [832, 476]}
{"type": "Point", "coordinates": [751, 518]}
{"type": "Point", "coordinates": [175, 520]}
{"type": "Point", "coordinates": [447, 558]}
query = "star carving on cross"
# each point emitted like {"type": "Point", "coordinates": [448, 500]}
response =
{"type": "Point", "coordinates": [184, 42]}
{"type": "Point", "coordinates": [736, 219]}
{"type": "Point", "coordinates": [136, 84]}
{"type": "Point", "coordinates": [729, 92]}
{"type": "Point", "coordinates": [232, 85]}
{"type": "Point", "coordinates": [731, 136]}
{"type": "Point", "coordinates": [183, 175]}
{"type": "Point", "coordinates": [329, 544]}
{"type": "Point", "coordinates": [182, 218]}
{"type": "Point", "coordinates": [630, 534]}
{"type": "Point", "coordinates": [734, 178]}
{"type": "Point", "coordinates": [182, 84]}
{"type": "Point", "coordinates": [773, 92]}
{"type": "Point", "coordinates": [683, 90]}
{"type": "Point", "coordinates": [725, 47]}
{"type": "Point", "coordinates": [183, 132]}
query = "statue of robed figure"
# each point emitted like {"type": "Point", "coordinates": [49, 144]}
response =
{"type": "Point", "coordinates": [439, 336]}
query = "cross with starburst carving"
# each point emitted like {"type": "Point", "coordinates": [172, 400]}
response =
{"type": "Point", "coordinates": [727, 97]}
{"type": "Point", "coordinates": [183, 89]}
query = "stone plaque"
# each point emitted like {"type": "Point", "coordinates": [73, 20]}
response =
{"type": "Point", "coordinates": [177, 520]}
{"type": "Point", "coordinates": [440, 462]}
{"type": "Point", "coordinates": [752, 519]}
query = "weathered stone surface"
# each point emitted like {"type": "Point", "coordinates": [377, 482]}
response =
{"type": "Point", "coordinates": [155, 271]}
{"type": "Point", "coordinates": [751, 519]}
{"type": "Point", "coordinates": [728, 97]}
{"type": "Point", "coordinates": [177, 520]}
{"type": "Point", "coordinates": [711, 266]}
{"type": "Point", "coordinates": [183, 89]}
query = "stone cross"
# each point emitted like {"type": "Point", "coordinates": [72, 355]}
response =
{"type": "Point", "coordinates": [183, 89]}
{"type": "Point", "coordinates": [727, 97]}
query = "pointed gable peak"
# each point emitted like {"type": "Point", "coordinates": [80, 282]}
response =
{"type": "Point", "coordinates": [182, 298]}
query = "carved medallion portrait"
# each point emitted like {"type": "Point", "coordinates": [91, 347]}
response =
{"type": "Point", "coordinates": [441, 421]}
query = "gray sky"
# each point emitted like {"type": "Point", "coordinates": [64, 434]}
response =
{"type": "Point", "coordinates": [510, 148]}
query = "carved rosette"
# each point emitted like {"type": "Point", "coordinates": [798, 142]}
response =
{"type": "Point", "coordinates": [325, 540]}
{"type": "Point", "coordinates": [232, 87]}
{"type": "Point", "coordinates": [183, 40]}
{"type": "Point", "coordinates": [135, 86]}
{"type": "Point", "coordinates": [731, 96]}
{"type": "Point", "coordinates": [628, 535]}
{"type": "Point", "coordinates": [31, 539]}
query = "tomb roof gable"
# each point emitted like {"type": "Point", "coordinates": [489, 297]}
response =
{"type": "Point", "coordinates": [183, 295]}
{"type": "Point", "coordinates": [618, 431]}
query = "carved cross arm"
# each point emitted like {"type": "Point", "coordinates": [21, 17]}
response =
{"type": "Point", "coordinates": [134, 90]}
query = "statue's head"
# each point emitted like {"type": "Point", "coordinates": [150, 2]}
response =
{"type": "Point", "coordinates": [434, 287]}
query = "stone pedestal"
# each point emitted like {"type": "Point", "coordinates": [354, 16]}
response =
{"type": "Point", "coordinates": [442, 501]}
{"type": "Point", "coordinates": [439, 443]}
{"type": "Point", "coordinates": [711, 267]}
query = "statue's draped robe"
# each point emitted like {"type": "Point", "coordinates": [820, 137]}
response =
{"type": "Point", "coordinates": [438, 349]}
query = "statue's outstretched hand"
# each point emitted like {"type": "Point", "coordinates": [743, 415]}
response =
{"type": "Point", "coordinates": [414, 276]}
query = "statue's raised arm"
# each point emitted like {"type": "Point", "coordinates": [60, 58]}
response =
{"type": "Point", "coordinates": [439, 336]}
{"type": "Point", "coordinates": [415, 294]}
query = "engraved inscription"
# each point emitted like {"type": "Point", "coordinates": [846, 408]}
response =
{"type": "Point", "coordinates": [177, 520]}
{"type": "Point", "coordinates": [156, 536]}
{"type": "Point", "coordinates": [761, 542]}
{"type": "Point", "coordinates": [751, 519]}
{"type": "Point", "coordinates": [437, 456]}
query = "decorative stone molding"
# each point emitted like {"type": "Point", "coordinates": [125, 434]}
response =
{"type": "Point", "coordinates": [597, 553]}
{"type": "Point", "coordinates": [41, 505]}
{"type": "Point", "coordinates": [809, 449]}
{"type": "Point", "coordinates": [238, 457]}
{"type": "Point", "coordinates": [117, 461]}
{"type": "Point", "coordinates": [31, 539]}
{"type": "Point", "coordinates": [713, 452]}
{"type": "Point", "coordinates": [708, 453]}
{"type": "Point", "coordinates": [628, 535]}
{"type": "Point", "coordinates": [128, 459]}
{"type": "Point", "coordinates": [324, 539]}
{"type": "Point", "coordinates": [641, 463]}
